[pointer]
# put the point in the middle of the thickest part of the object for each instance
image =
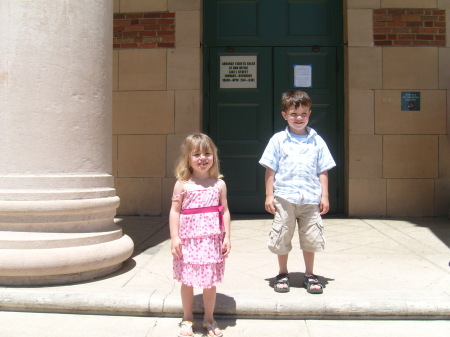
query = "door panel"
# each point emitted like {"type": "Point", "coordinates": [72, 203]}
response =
{"type": "Point", "coordinates": [240, 123]}
{"type": "Point", "coordinates": [272, 22]}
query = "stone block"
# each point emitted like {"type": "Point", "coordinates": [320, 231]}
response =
{"type": "Point", "coordinates": [410, 197]}
{"type": "Point", "coordinates": [187, 111]}
{"type": "Point", "coordinates": [183, 69]}
{"type": "Point", "coordinates": [360, 27]}
{"type": "Point", "coordinates": [363, 3]}
{"type": "Point", "coordinates": [410, 68]}
{"type": "Point", "coordinates": [115, 79]}
{"type": "Point", "coordinates": [184, 5]}
{"type": "Point", "coordinates": [143, 112]}
{"type": "Point", "coordinates": [142, 69]}
{"type": "Point", "coordinates": [365, 67]}
{"type": "Point", "coordinates": [444, 156]}
{"type": "Point", "coordinates": [361, 112]}
{"type": "Point", "coordinates": [188, 29]}
{"type": "Point", "coordinates": [139, 196]}
{"type": "Point", "coordinates": [365, 157]}
{"type": "Point", "coordinates": [141, 156]}
{"type": "Point", "coordinates": [410, 156]}
{"type": "Point", "coordinates": [367, 197]}
{"type": "Point", "coordinates": [408, 3]}
{"type": "Point", "coordinates": [130, 6]}
{"type": "Point", "coordinates": [444, 67]}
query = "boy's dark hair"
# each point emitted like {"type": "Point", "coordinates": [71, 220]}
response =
{"type": "Point", "coordinates": [295, 98]}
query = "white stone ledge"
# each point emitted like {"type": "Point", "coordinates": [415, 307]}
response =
{"type": "Point", "coordinates": [55, 181]}
{"type": "Point", "coordinates": [55, 194]}
{"type": "Point", "coordinates": [34, 240]}
{"type": "Point", "coordinates": [60, 261]}
{"type": "Point", "coordinates": [55, 207]}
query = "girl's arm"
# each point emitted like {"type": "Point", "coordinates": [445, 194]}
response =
{"type": "Point", "coordinates": [174, 220]}
{"type": "Point", "coordinates": [226, 245]}
{"type": "Point", "coordinates": [324, 201]}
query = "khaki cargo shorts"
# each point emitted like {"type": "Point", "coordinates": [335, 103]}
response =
{"type": "Point", "coordinates": [287, 216]}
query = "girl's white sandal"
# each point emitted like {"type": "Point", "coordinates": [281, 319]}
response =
{"type": "Point", "coordinates": [212, 326]}
{"type": "Point", "coordinates": [188, 325]}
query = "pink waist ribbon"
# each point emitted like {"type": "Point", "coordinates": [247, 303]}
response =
{"type": "Point", "coordinates": [210, 209]}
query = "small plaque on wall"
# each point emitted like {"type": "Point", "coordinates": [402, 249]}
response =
{"type": "Point", "coordinates": [410, 101]}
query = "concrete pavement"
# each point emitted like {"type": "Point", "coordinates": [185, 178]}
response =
{"type": "Point", "coordinates": [371, 269]}
{"type": "Point", "coordinates": [14, 324]}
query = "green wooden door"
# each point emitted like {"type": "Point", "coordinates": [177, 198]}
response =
{"type": "Point", "coordinates": [241, 120]}
{"type": "Point", "coordinates": [253, 51]}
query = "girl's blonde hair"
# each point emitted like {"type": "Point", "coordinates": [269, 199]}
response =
{"type": "Point", "coordinates": [196, 142]}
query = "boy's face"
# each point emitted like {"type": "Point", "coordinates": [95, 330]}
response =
{"type": "Point", "coordinates": [297, 119]}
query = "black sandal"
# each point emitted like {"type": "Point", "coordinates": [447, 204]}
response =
{"type": "Point", "coordinates": [312, 280]}
{"type": "Point", "coordinates": [282, 279]}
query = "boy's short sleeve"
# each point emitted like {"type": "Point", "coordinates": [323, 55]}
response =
{"type": "Point", "coordinates": [325, 160]}
{"type": "Point", "coordinates": [269, 158]}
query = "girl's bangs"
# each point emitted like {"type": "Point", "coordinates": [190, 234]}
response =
{"type": "Point", "coordinates": [201, 145]}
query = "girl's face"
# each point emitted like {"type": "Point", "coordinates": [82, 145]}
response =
{"type": "Point", "coordinates": [201, 161]}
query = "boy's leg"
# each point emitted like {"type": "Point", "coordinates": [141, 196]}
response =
{"type": "Point", "coordinates": [282, 263]}
{"type": "Point", "coordinates": [283, 269]}
{"type": "Point", "coordinates": [312, 239]}
{"type": "Point", "coordinates": [309, 262]}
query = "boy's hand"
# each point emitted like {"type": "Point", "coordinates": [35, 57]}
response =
{"type": "Point", "coordinates": [324, 206]}
{"type": "Point", "coordinates": [269, 205]}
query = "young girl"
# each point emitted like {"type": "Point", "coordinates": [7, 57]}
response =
{"type": "Point", "coordinates": [199, 228]}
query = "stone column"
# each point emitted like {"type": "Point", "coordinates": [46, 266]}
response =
{"type": "Point", "coordinates": [57, 196]}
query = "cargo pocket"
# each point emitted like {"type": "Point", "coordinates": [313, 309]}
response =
{"type": "Point", "coordinates": [320, 234]}
{"type": "Point", "coordinates": [274, 240]}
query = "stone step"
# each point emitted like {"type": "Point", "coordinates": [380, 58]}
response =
{"type": "Point", "coordinates": [35, 240]}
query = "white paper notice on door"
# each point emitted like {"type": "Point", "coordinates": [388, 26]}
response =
{"type": "Point", "coordinates": [302, 76]}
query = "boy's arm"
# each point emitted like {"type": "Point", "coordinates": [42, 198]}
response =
{"type": "Point", "coordinates": [269, 179]}
{"type": "Point", "coordinates": [324, 201]}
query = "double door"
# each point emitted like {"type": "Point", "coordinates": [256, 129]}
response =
{"type": "Point", "coordinates": [243, 89]}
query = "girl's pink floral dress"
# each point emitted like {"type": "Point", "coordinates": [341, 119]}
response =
{"type": "Point", "coordinates": [201, 234]}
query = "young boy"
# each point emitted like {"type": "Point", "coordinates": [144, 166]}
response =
{"type": "Point", "coordinates": [296, 161]}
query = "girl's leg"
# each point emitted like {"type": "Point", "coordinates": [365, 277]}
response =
{"type": "Point", "coordinates": [187, 300]}
{"type": "Point", "coordinates": [209, 301]}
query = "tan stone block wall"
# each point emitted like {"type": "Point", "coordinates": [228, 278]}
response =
{"type": "Point", "coordinates": [398, 161]}
{"type": "Point", "coordinates": [156, 103]}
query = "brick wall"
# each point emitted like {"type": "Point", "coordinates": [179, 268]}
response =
{"type": "Point", "coordinates": [409, 27]}
{"type": "Point", "coordinates": [144, 30]}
